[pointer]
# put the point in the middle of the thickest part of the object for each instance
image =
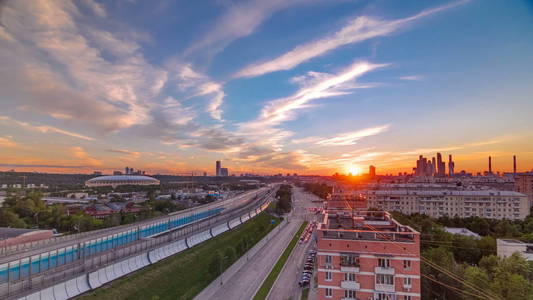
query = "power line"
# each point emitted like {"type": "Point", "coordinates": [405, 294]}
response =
{"type": "Point", "coordinates": [435, 266]}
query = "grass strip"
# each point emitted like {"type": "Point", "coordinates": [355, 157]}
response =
{"type": "Point", "coordinates": [263, 291]}
{"type": "Point", "coordinates": [186, 274]}
{"type": "Point", "coordinates": [305, 294]}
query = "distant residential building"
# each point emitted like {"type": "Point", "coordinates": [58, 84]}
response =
{"type": "Point", "coordinates": [462, 231]}
{"type": "Point", "coordinates": [367, 255]}
{"type": "Point", "coordinates": [489, 204]}
{"type": "Point", "coordinates": [524, 185]}
{"type": "Point", "coordinates": [506, 248]}
{"type": "Point", "coordinates": [372, 171]}
{"type": "Point", "coordinates": [224, 172]}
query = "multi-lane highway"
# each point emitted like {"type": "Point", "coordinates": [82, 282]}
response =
{"type": "Point", "coordinates": [40, 259]}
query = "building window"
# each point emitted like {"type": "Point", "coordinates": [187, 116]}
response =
{"type": "Point", "coordinates": [384, 262]}
{"type": "Point", "coordinates": [407, 264]}
{"type": "Point", "coordinates": [407, 281]}
{"type": "Point", "coordinates": [350, 294]}
{"type": "Point", "coordinates": [349, 277]}
{"type": "Point", "coordinates": [349, 261]}
{"type": "Point", "coordinates": [384, 279]}
{"type": "Point", "coordinates": [328, 276]}
{"type": "Point", "coordinates": [328, 259]}
{"type": "Point", "coordinates": [382, 296]}
{"type": "Point", "coordinates": [406, 297]}
{"type": "Point", "coordinates": [329, 292]}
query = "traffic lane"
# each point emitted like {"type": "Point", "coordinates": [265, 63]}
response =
{"type": "Point", "coordinates": [23, 253]}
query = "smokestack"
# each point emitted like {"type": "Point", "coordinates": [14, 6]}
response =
{"type": "Point", "coordinates": [514, 164]}
{"type": "Point", "coordinates": [490, 165]}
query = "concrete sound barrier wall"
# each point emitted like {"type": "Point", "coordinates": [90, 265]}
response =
{"type": "Point", "coordinates": [234, 223]}
{"type": "Point", "coordinates": [219, 229]}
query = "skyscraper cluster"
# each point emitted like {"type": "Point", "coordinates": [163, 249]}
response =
{"type": "Point", "coordinates": [433, 167]}
{"type": "Point", "coordinates": [219, 171]}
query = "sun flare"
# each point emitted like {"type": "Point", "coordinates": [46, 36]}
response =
{"type": "Point", "coordinates": [353, 169]}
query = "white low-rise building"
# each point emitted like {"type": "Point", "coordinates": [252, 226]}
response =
{"type": "Point", "coordinates": [489, 204]}
{"type": "Point", "coordinates": [506, 248]}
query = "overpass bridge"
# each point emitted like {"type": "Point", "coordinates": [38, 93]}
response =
{"type": "Point", "coordinates": [35, 270]}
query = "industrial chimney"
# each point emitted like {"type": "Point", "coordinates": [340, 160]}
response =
{"type": "Point", "coordinates": [490, 165]}
{"type": "Point", "coordinates": [514, 164]}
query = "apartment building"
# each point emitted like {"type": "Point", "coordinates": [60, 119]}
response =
{"type": "Point", "coordinates": [367, 255]}
{"type": "Point", "coordinates": [524, 185]}
{"type": "Point", "coordinates": [489, 204]}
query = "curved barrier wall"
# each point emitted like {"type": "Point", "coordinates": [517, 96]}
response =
{"type": "Point", "coordinates": [93, 280]}
{"type": "Point", "coordinates": [21, 268]}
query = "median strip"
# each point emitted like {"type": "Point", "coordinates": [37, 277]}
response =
{"type": "Point", "coordinates": [263, 291]}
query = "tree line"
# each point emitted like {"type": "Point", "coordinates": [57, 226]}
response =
{"type": "Point", "coordinates": [474, 261]}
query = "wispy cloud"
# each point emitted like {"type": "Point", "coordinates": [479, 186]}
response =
{"type": "Point", "coordinates": [357, 30]}
{"type": "Point", "coordinates": [7, 141]}
{"type": "Point", "coordinates": [239, 20]}
{"type": "Point", "coordinates": [126, 155]}
{"type": "Point", "coordinates": [197, 84]}
{"type": "Point", "coordinates": [351, 138]}
{"type": "Point", "coordinates": [281, 110]}
{"type": "Point", "coordinates": [43, 128]}
{"type": "Point", "coordinates": [82, 155]}
{"type": "Point", "coordinates": [412, 77]}
{"type": "Point", "coordinates": [73, 69]}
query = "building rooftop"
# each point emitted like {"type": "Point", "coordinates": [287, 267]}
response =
{"type": "Point", "coordinates": [364, 225]}
{"type": "Point", "coordinates": [462, 231]}
{"type": "Point", "coordinates": [123, 178]}
{"type": "Point", "coordinates": [6, 232]}
{"type": "Point", "coordinates": [445, 193]}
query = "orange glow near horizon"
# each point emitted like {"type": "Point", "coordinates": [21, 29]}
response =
{"type": "Point", "coordinates": [353, 169]}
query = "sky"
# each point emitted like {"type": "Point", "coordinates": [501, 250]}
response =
{"type": "Point", "coordinates": [305, 86]}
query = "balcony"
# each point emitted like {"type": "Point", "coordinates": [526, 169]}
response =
{"type": "Point", "coordinates": [350, 285]}
{"type": "Point", "coordinates": [384, 270]}
{"type": "Point", "coordinates": [384, 287]}
{"type": "Point", "coordinates": [351, 267]}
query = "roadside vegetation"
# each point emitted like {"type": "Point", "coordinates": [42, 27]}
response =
{"type": "Point", "coordinates": [473, 261]}
{"type": "Point", "coordinates": [263, 291]}
{"type": "Point", "coordinates": [26, 209]}
{"type": "Point", "coordinates": [284, 196]}
{"type": "Point", "coordinates": [184, 275]}
{"type": "Point", "coordinates": [321, 190]}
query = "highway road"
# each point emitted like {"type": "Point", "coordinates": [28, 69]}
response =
{"type": "Point", "coordinates": [228, 204]}
{"type": "Point", "coordinates": [286, 286]}
{"type": "Point", "coordinates": [245, 282]}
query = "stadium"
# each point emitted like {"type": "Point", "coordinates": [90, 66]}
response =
{"type": "Point", "coordinates": [117, 180]}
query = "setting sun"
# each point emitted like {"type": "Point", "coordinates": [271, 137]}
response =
{"type": "Point", "coordinates": [353, 169]}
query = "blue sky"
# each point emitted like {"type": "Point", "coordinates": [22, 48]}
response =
{"type": "Point", "coordinates": [307, 86]}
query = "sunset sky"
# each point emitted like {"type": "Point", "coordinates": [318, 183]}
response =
{"type": "Point", "coordinates": [306, 86]}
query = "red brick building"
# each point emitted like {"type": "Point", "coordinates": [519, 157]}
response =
{"type": "Point", "coordinates": [367, 255]}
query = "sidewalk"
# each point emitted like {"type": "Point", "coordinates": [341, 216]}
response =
{"type": "Point", "coordinates": [245, 276]}
{"type": "Point", "coordinates": [286, 285]}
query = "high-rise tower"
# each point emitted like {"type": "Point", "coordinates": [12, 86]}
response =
{"type": "Point", "coordinates": [441, 166]}
{"type": "Point", "coordinates": [451, 166]}
{"type": "Point", "coordinates": [218, 167]}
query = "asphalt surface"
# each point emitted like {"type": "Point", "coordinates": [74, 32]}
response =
{"type": "Point", "coordinates": [286, 286]}
{"type": "Point", "coordinates": [228, 204]}
{"type": "Point", "coordinates": [244, 283]}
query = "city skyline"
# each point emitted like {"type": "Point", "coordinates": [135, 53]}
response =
{"type": "Point", "coordinates": [174, 86]}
